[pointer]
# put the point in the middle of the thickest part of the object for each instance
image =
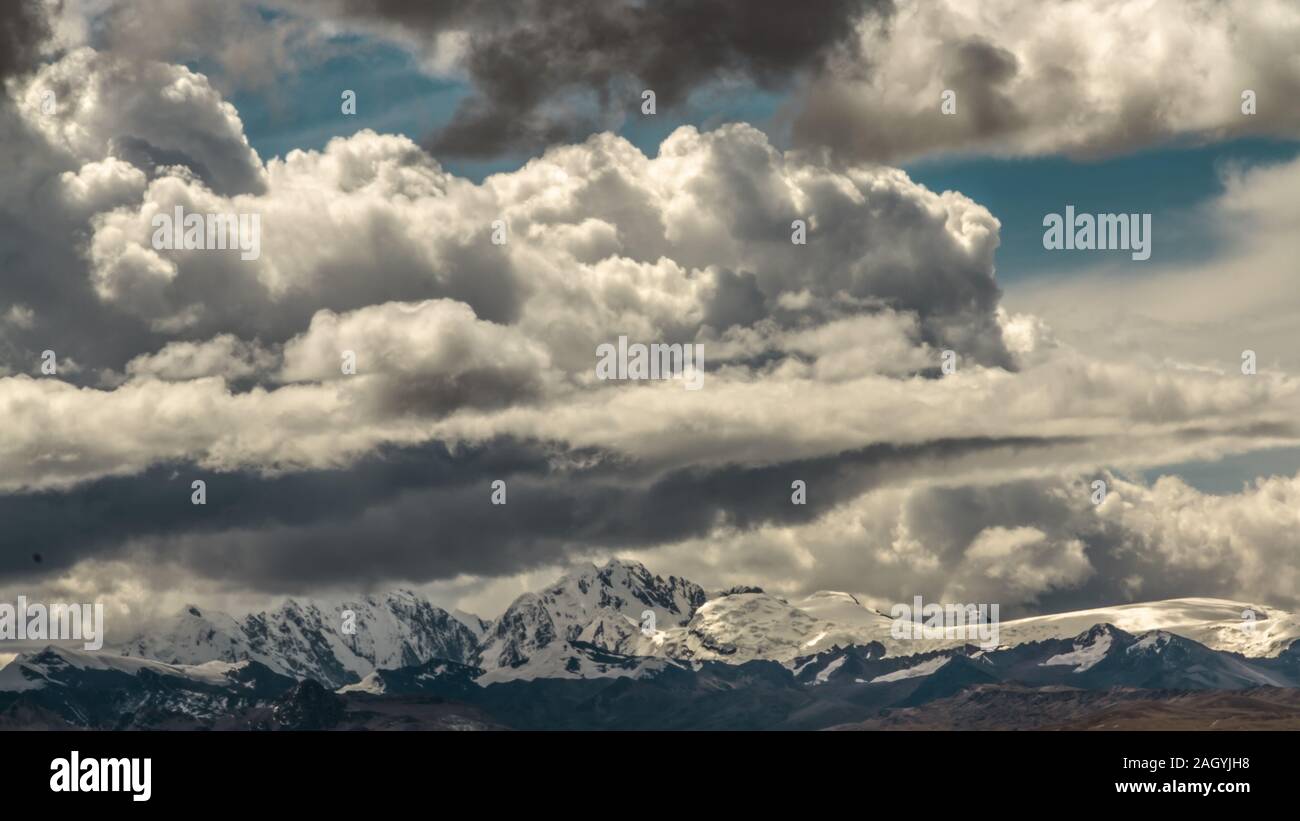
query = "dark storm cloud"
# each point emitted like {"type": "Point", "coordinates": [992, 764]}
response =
{"type": "Point", "coordinates": [424, 513]}
{"type": "Point", "coordinates": [526, 59]}
{"type": "Point", "coordinates": [979, 72]}
{"type": "Point", "coordinates": [100, 517]}
{"type": "Point", "coordinates": [22, 29]}
{"type": "Point", "coordinates": [738, 301]}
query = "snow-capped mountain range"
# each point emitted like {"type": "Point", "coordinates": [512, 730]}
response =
{"type": "Point", "coordinates": [58, 688]}
{"type": "Point", "coordinates": [589, 624]}
{"type": "Point", "coordinates": [314, 640]}
{"type": "Point", "coordinates": [850, 686]}
{"type": "Point", "coordinates": [760, 626]}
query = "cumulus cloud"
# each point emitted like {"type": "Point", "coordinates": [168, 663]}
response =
{"type": "Point", "coordinates": [431, 356]}
{"type": "Point", "coordinates": [1017, 564]}
{"type": "Point", "coordinates": [110, 125]}
{"type": "Point", "coordinates": [1245, 541]}
{"type": "Point", "coordinates": [694, 241]}
{"type": "Point", "coordinates": [151, 114]}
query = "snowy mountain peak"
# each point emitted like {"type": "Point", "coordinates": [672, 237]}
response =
{"type": "Point", "coordinates": [598, 606]}
{"type": "Point", "coordinates": [622, 584]}
{"type": "Point", "coordinates": [1098, 632]}
{"type": "Point", "coordinates": [308, 639]}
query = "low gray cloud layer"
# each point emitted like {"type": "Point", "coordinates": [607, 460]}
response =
{"type": "Point", "coordinates": [424, 513]}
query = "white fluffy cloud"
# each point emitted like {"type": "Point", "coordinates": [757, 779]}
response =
{"type": "Point", "coordinates": [153, 114]}
{"type": "Point", "coordinates": [600, 241]}
{"type": "Point", "coordinates": [1017, 564]}
{"type": "Point", "coordinates": [225, 356]}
